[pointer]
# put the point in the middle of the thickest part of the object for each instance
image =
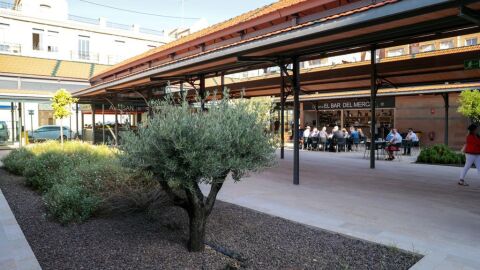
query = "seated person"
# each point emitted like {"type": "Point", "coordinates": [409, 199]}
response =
{"type": "Point", "coordinates": [389, 136]}
{"type": "Point", "coordinates": [393, 144]}
{"type": "Point", "coordinates": [411, 140]}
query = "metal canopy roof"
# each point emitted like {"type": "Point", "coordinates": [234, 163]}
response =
{"type": "Point", "coordinates": [386, 23]}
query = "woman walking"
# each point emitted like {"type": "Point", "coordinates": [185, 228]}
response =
{"type": "Point", "coordinates": [472, 153]}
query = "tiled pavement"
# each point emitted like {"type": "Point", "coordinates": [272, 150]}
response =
{"type": "Point", "coordinates": [411, 206]}
{"type": "Point", "coordinates": [15, 252]}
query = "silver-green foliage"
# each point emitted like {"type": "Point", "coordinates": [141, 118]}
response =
{"type": "Point", "coordinates": [183, 147]}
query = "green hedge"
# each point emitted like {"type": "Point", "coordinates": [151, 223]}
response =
{"type": "Point", "coordinates": [440, 154]}
{"type": "Point", "coordinates": [78, 180]}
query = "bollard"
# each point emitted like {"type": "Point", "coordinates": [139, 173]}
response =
{"type": "Point", "coordinates": [25, 135]}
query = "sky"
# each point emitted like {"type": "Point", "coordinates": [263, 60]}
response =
{"type": "Point", "coordinates": [212, 10]}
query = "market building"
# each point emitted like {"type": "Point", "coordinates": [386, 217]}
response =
{"type": "Point", "coordinates": [402, 46]}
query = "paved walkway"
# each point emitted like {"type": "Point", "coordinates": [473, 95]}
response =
{"type": "Point", "coordinates": [414, 207]}
{"type": "Point", "coordinates": [15, 252]}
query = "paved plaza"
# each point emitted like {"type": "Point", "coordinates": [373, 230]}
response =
{"type": "Point", "coordinates": [415, 207]}
{"type": "Point", "coordinates": [411, 206]}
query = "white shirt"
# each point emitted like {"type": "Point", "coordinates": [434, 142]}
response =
{"type": "Point", "coordinates": [306, 133]}
{"type": "Point", "coordinates": [397, 138]}
{"type": "Point", "coordinates": [412, 136]}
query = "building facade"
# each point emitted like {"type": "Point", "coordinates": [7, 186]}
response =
{"type": "Point", "coordinates": [44, 48]}
{"type": "Point", "coordinates": [44, 28]}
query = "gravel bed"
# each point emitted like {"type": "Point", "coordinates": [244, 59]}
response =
{"type": "Point", "coordinates": [157, 240]}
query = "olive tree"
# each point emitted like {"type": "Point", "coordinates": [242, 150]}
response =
{"type": "Point", "coordinates": [184, 148]}
{"type": "Point", "coordinates": [470, 105]}
{"type": "Point", "coordinates": [61, 101]}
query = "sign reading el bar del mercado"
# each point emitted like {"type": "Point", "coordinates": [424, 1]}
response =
{"type": "Point", "coordinates": [359, 103]}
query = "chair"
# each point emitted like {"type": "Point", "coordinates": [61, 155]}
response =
{"type": "Point", "coordinates": [366, 153]}
{"type": "Point", "coordinates": [314, 143]}
{"type": "Point", "coordinates": [397, 153]}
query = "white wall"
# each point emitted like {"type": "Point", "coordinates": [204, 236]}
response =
{"type": "Point", "coordinates": [17, 27]}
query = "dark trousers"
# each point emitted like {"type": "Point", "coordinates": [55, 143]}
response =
{"type": "Point", "coordinates": [407, 147]}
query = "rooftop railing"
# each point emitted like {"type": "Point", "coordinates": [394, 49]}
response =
{"type": "Point", "coordinates": [152, 31]}
{"type": "Point", "coordinates": [83, 19]}
{"type": "Point", "coordinates": [7, 5]}
{"type": "Point", "coordinates": [14, 48]}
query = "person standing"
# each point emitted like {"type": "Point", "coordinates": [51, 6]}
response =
{"type": "Point", "coordinates": [472, 153]}
{"type": "Point", "coordinates": [306, 137]}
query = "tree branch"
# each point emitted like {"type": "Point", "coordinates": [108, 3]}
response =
{"type": "Point", "coordinates": [212, 195]}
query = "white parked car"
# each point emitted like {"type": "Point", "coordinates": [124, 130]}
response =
{"type": "Point", "coordinates": [50, 132]}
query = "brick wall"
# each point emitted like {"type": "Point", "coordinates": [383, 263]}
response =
{"type": "Point", "coordinates": [426, 113]}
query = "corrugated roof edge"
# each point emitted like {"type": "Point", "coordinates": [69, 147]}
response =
{"type": "Point", "coordinates": [211, 30]}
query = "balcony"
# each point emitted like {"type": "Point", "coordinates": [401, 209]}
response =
{"type": "Point", "coordinates": [114, 25]}
{"type": "Point", "coordinates": [10, 48]}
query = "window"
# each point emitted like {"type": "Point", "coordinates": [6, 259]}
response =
{"type": "Point", "coordinates": [52, 41]}
{"type": "Point", "coordinates": [447, 44]}
{"type": "Point", "coordinates": [3, 32]}
{"type": "Point", "coordinates": [471, 41]}
{"type": "Point", "coordinates": [427, 48]}
{"type": "Point", "coordinates": [396, 52]}
{"type": "Point", "coordinates": [37, 39]}
{"type": "Point", "coordinates": [84, 47]}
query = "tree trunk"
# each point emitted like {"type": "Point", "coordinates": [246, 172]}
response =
{"type": "Point", "coordinates": [198, 219]}
{"type": "Point", "coordinates": [61, 131]}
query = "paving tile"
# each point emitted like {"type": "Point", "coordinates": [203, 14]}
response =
{"type": "Point", "coordinates": [15, 252]}
{"type": "Point", "coordinates": [411, 206]}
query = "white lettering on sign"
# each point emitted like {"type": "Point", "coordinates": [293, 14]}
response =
{"type": "Point", "coordinates": [335, 105]}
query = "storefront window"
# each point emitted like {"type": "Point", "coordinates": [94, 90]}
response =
{"type": "Point", "coordinates": [448, 44]}
{"type": "Point", "coordinates": [471, 41]}
{"type": "Point", "coordinates": [396, 52]}
{"type": "Point", "coordinates": [427, 48]}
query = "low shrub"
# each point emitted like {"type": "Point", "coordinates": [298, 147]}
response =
{"type": "Point", "coordinates": [46, 169]}
{"type": "Point", "coordinates": [79, 180]}
{"type": "Point", "coordinates": [70, 202]}
{"type": "Point", "coordinates": [16, 161]}
{"type": "Point", "coordinates": [440, 154]}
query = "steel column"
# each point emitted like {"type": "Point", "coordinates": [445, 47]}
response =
{"type": "Point", "coordinates": [19, 124]}
{"type": "Point", "coordinates": [116, 124]}
{"type": "Point", "coordinates": [373, 99]}
{"type": "Point", "coordinates": [202, 91]}
{"type": "Point", "coordinates": [447, 106]}
{"type": "Point", "coordinates": [282, 117]}
{"type": "Point", "coordinates": [103, 123]}
{"type": "Point", "coordinates": [93, 123]}
{"type": "Point", "coordinates": [182, 94]}
{"type": "Point", "coordinates": [12, 111]}
{"type": "Point", "coordinates": [296, 116]}
{"type": "Point", "coordinates": [76, 118]}
{"type": "Point", "coordinates": [222, 83]}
